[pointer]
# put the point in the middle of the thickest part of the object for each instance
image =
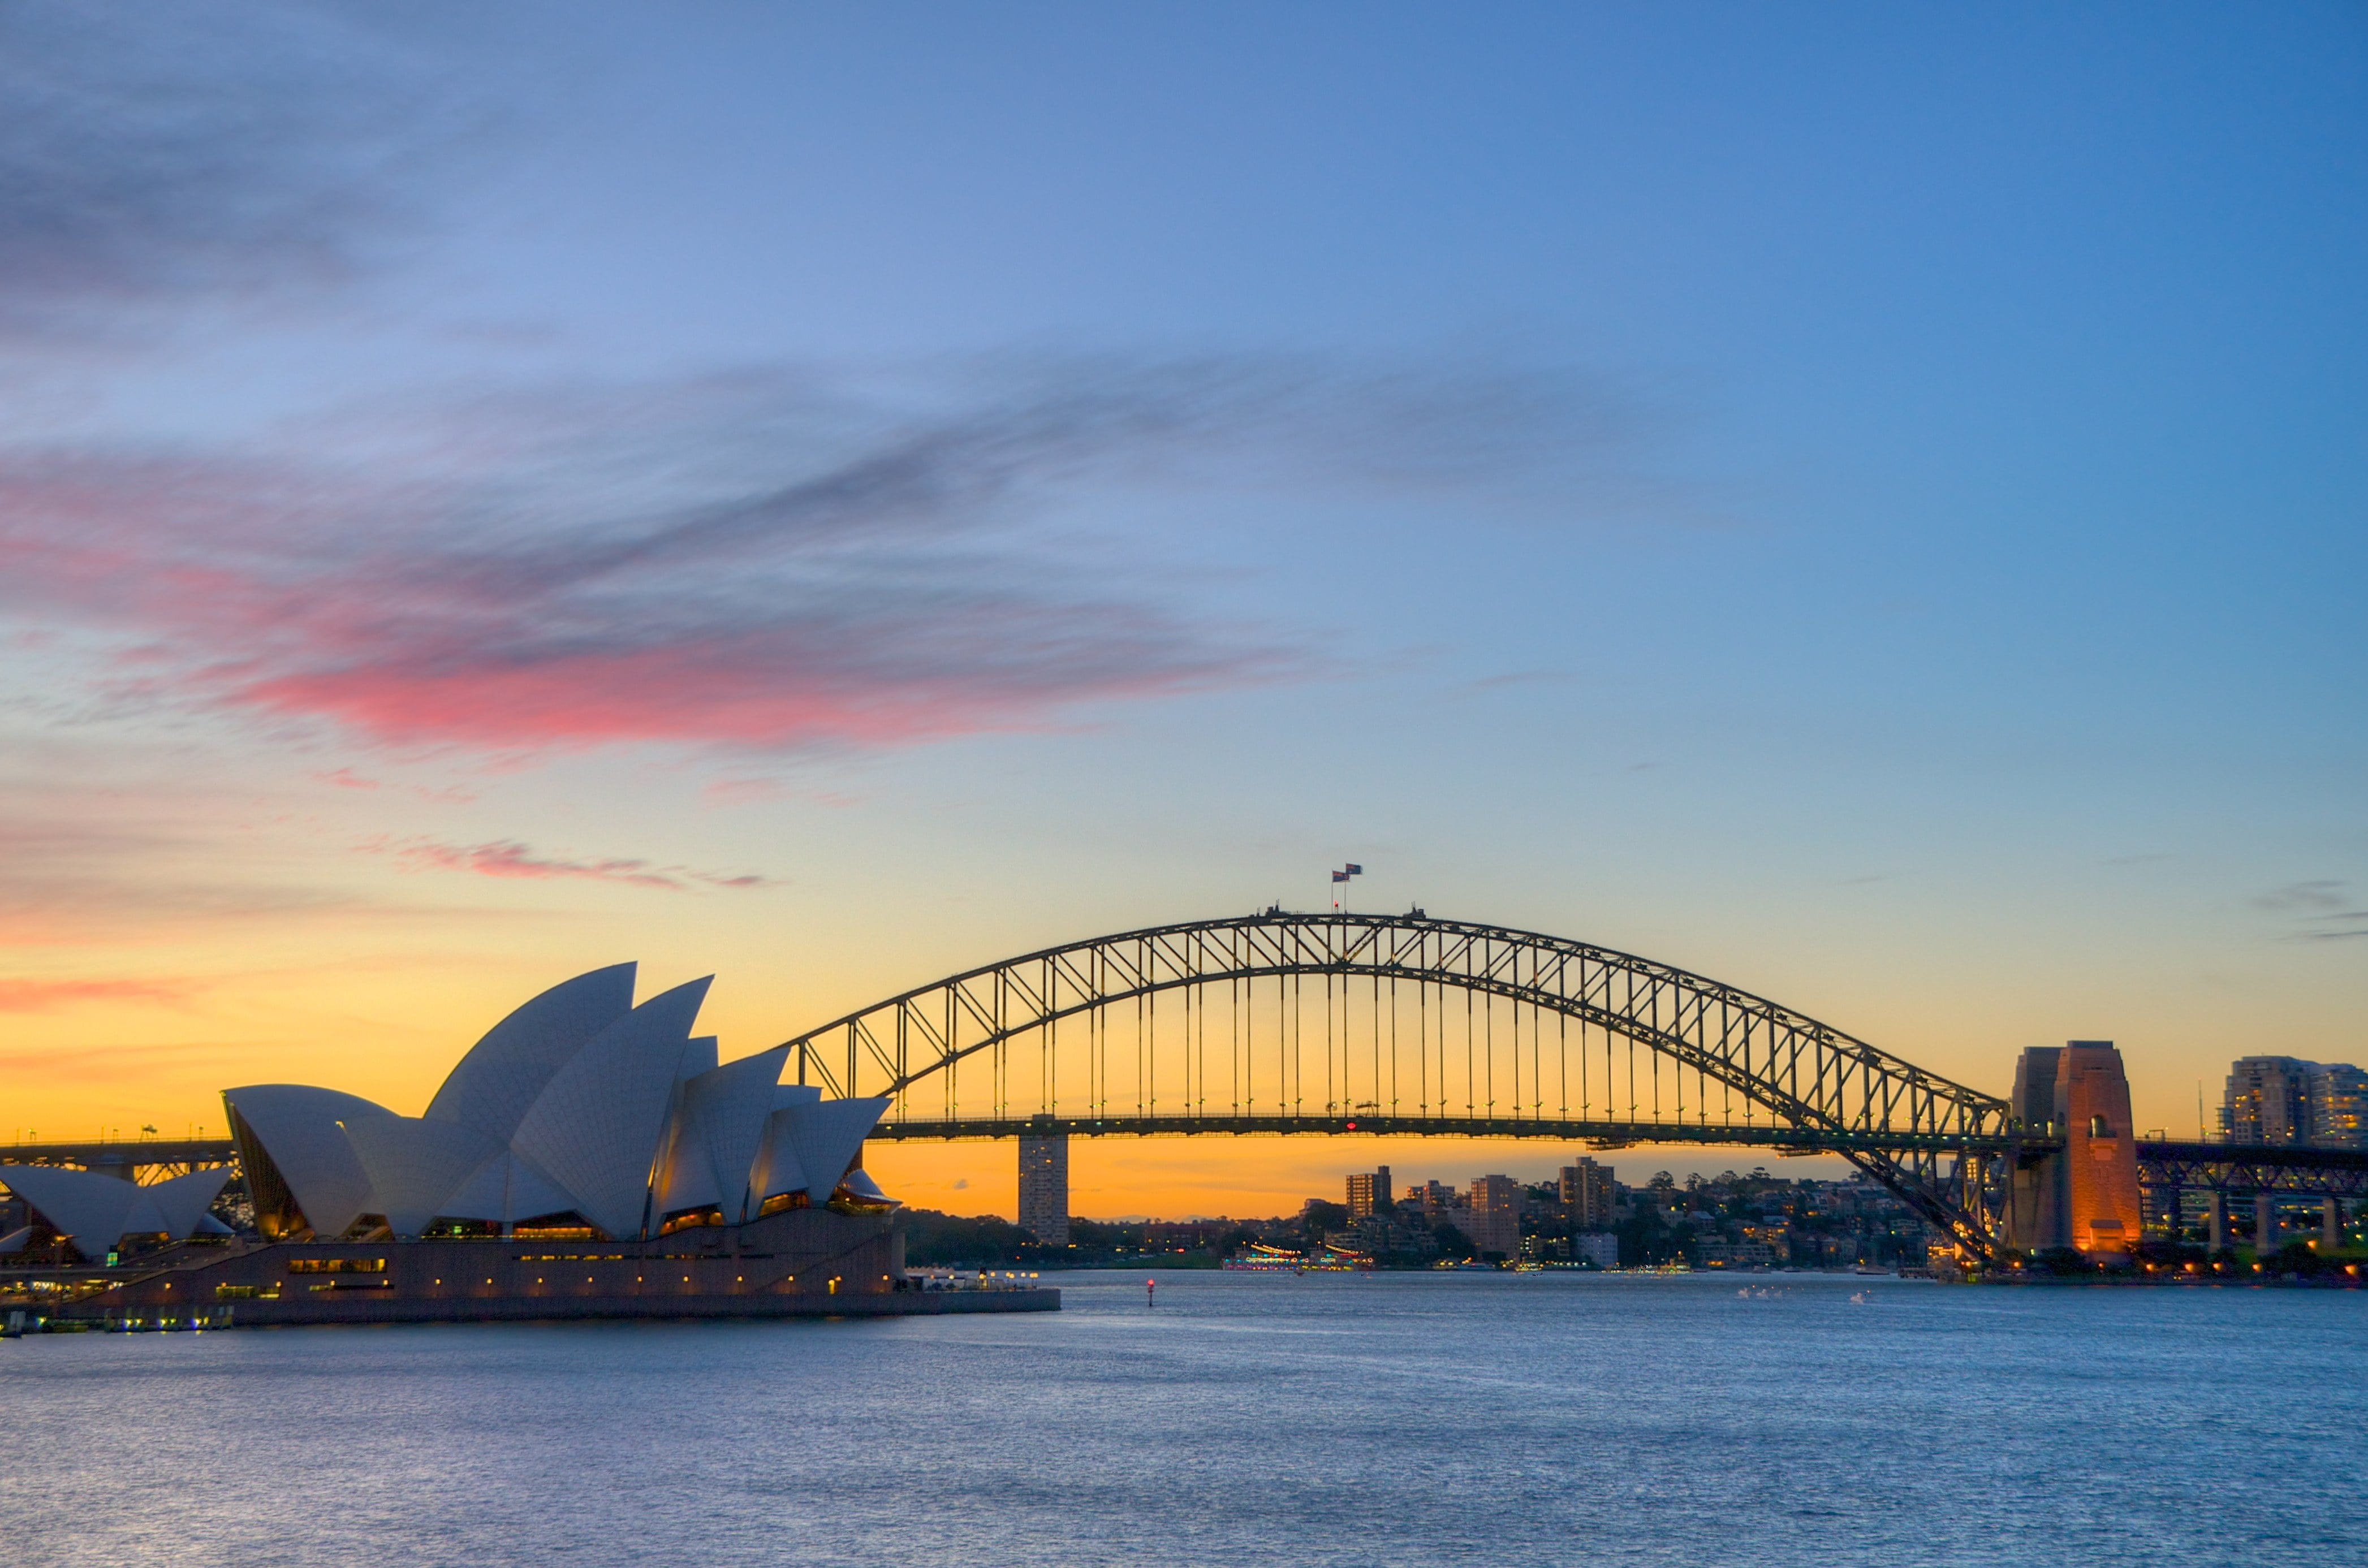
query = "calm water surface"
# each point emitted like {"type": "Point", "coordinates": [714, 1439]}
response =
{"type": "Point", "coordinates": [1322, 1419]}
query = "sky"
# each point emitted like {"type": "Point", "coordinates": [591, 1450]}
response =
{"type": "Point", "coordinates": [1865, 504]}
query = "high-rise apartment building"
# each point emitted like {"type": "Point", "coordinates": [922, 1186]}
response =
{"type": "Point", "coordinates": [1586, 1195]}
{"type": "Point", "coordinates": [2267, 1101]}
{"type": "Point", "coordinates": [1044, 1187]}
{"type": "Point", "coordinates": [2284, 1099]}
{"type": "Point", "coordinates": [1494, 1222]}
{"type": "Point", "coordinates": [2339, 1106]}
{"type": "Point", "coordinates": [1370, 1193]}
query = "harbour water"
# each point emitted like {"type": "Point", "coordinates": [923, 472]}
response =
{"type": "Point", "coordinates": [1348, 1419]}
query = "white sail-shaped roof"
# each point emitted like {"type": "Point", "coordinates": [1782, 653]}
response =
{"type": "Point", "coordinates": [595, 1129]}
{"type": "Point", "coordinates": [96, 1210]}
{"type": "Point", "coordinates": [86, 1206]}
{"type": "Point", "coordinates": [684, 1177]}
{"type": "Point", "coordinates": [181, 1203]}
{"type": "Point", "coordinates": [777, 1170]}
{"type": "Point", "coordinates": [298, 1128]}
{"type": "Point", "coordinates": [507, 1189]}
{"type": "Point", "coordinates": [415, 1165]}
{"type": "Point", "coordinates": [495, 1083]}
{"type": "Point", "coordinates": [730, 1107]}
{"type": "Point", "coordinates": [578, 1100]}
{"type": "Point", "coordinates": [827, 1135]}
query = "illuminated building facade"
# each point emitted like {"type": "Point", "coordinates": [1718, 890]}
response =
{"type": "Point", "coordinates": [1586, 1195]}
{"type": "Point", "coordinates": [1370, 1193]}
{"type": "Point", "coordinates": [2284, 1099]}
{"type": "Point", "coordinates": [1044, 1187]}
{"type": "Point", "coordinates": [1494, 1220]}
{"type": "Point", "coordinates": [2267, 1100]}
{"type": "Point", "coordinates": [2339, 1106]}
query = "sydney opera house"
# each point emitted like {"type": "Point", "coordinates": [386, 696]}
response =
{"type": "Point", "coordinates": [587, 1157]}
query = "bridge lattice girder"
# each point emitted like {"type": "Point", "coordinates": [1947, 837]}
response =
{"type": "Point", "coordinates": [2275, 1169]}
{"type": "Point", "coordinates": [1815, 1087]}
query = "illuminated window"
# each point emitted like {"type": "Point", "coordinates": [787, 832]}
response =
{"type": "Point", "coordinates": [337, 1265]}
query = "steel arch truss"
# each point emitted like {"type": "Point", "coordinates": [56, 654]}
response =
{"type": "Point", "coordinates": [1801, 1085]}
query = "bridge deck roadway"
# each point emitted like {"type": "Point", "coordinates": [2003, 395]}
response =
{"type": "Point", "coordinates": [2280, 1167]}
{"type": "Point", "coordinates": [116, 1153]}
{"type": "Point", "coordinates": [1603, 1134]}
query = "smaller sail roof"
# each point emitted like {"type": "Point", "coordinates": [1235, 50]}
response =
{"type": "Point", "coordinates": [86, 1206]}
{"type": "Point", "coordinates": [96, 1210]}
{"type": "Point", "coordinates": [297, 1126]}
{"type": "Point", "coordinates": [825, 1135]}
{"type": "Point", "coordinates": [181, 1203]}
{"type": "Point", "coordinates": [415, 1165]}
{"type": "Point", "coordinates": [506, 1189]}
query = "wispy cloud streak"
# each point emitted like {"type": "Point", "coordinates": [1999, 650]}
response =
{"type": "Point", "coordinates": [41, 996]}
{"type": "Point", "coordinates": [2319, 909]}
{"type": "Point", "coordinates": [763, 563]}
{"type": "Point", "coordinates": [510, 858]}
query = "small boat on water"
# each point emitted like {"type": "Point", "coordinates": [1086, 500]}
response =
{"type": "Point", "coordinates": [1264, 1259]}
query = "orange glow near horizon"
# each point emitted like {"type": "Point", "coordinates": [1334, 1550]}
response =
{"type": "Point", "coordinates": [289, 998]}
{"type": "Point", "coordinates": [1245, 1178]}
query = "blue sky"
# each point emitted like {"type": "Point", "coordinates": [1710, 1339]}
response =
{"type": "Point", "coordinates": [1866, 504]}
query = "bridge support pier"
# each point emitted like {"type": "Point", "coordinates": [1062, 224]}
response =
{"type": "Point", "coordinates": [2330, 1223]}
{"type": "Point", "coordinates": [2217, 1240]}
{"type": "Point", "coordinates": [2265, 1224]}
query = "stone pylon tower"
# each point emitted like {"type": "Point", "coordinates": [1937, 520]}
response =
{"type": "Point", "coordinates": [2085, 1197]}
{"type": "Point", "coordinates": [2035, 1212]}
{"type": "Point", "coordinates": [2100, 1148]}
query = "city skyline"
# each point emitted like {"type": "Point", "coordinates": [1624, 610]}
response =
{"type": "Point", "coordinates": [1861, 509]}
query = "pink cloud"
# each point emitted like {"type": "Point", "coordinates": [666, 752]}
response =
{"type": "Point", "coordinates": [749, 563]}
{"type": "Point", "coordinates": [741, 791]}
{"type": "Point", "coordinates": [346, 779]}
{"type": "Point", "coordinates": [41, 995]}
{"type": "Point", "coordinates": [859, 608]}
{"type": "Point", "coordinates": [510, 858]}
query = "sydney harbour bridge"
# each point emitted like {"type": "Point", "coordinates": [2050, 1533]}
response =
{"type": "Point", "coordinates": [1407, 1025]}
{"type": "Point", "coordinates": [1340, 1024]}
